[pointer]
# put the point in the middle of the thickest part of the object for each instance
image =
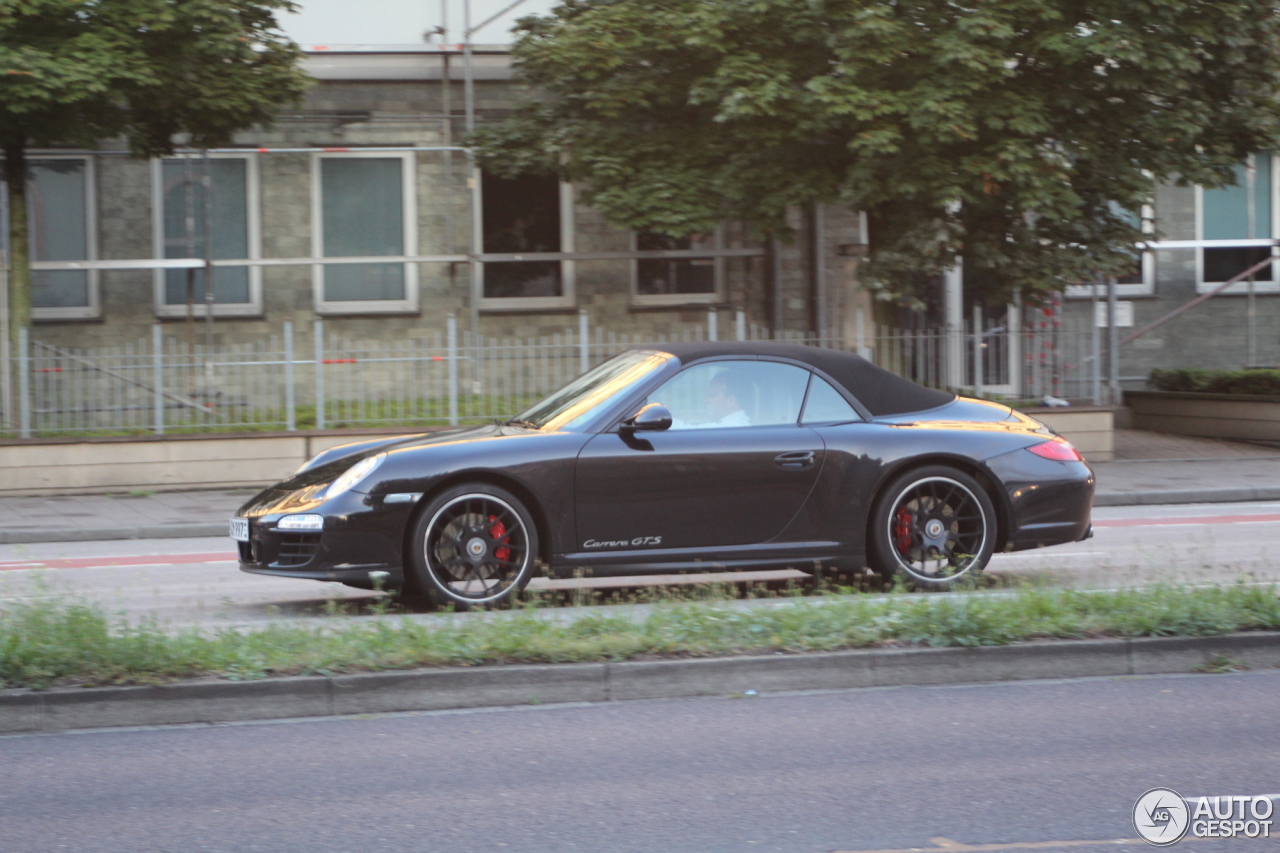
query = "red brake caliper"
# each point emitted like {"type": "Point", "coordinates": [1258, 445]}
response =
{"type": "Point", "coordinates": [902, 530]}
{"type": "Point", "coordinates": [499, 531]}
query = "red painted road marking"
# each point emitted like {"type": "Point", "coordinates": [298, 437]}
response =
{"type": "Point", "coordinates": [1197, 519]}
{"type": "Point", "coordinates": [131, 560]}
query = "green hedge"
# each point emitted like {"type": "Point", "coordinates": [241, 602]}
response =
{"type": "Point", "coordinates": [1261, 382]}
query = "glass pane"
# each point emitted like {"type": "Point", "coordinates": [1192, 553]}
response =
{"type": "Point", "coordinates": [56, 195]}
{"type": "Point", "coordinates": [363, 214]}
{"type": "Point", "coordinates": [363, 203]}
{"type": "Point", "coordinates": [355, 282]}
{"type": "Point", "coordinates": [825, 404]}
{"type": "Point", "coordinates": [230, 285]}
{"type": "Point", "coordinates": [1226, 210]}
{"type": "Point", "coordinates": [59, 231]}
{"type": "Point", "coordinates": [1222, 264]}
{"type": "Point", "coordinates": [59, 289]}
{"type": "Point", "coordinates": [734, 394]}
{"type": "Point", "coordinates": [656, 276]}
{"type": "Point", "coordinates": [506, 279]}
{"type": "Point", "coordinates": [183, 194]}
{"type": "Point", "coordinates": [521, 214]}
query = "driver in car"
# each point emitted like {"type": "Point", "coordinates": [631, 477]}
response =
{"type": "Point", "coordinates": [723, 399]}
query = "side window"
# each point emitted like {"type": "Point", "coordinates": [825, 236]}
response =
{"type": "Point", "coordinates": [825, 404]}
{"type": "Point", "coordinates": [733, 394]}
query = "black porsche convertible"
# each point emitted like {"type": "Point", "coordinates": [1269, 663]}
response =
{"type": "Point", "coordinates": [687, 457]}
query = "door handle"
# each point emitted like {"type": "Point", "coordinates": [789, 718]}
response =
{"type": "Point", "coordinates": [795, 460]}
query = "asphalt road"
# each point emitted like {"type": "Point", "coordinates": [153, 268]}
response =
{"type": "Point", "coordinates": [195, 581]}
{"type": "Point", "coordinates": [1027, 766]}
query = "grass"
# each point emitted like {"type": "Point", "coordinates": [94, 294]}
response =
{"type": "Point", "coordinates": [411, 413]}
{"type": "Point", "coordinates": [48, 643]}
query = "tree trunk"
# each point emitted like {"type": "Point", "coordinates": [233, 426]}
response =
{"type": "Point", "coordinates": [15, 175]}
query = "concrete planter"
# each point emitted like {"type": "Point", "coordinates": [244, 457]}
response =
{"type": "Point", "coordinates": [1090, 428]}
{"type": "Point", "coordinates": [1239, 416]}
{"type": "Point", "coordinates": [122, 464]}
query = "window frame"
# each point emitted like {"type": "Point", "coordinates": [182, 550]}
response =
{"type": "Point", "coordinates": [253, 222]}
{"type": "Point", "coordinates": [93, 310]}
{"type": "Point", "coordinates": [1146, 287]}
{"type": "Point", "coordinates": [568, 297]}
{"type": "Point", "coordinates": [672, 300]}
{"type": "Point", "coordinates": [1241, 288]}
{"type": "Point", "coordinates": [409, 248]}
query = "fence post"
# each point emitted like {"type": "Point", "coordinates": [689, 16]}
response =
{"type": "Point", "coordinates": [860, 334]}
{"type": "Point", "coordinates": [290, 421]}
{"type": "Point", "coordinates": [584, 348]}
{"type": "Point", "coordinates": [157, 378]}
{"type": "Point", "coordinates": [740, 324]}
{"type": "Point", "coordinates": [977, 351]}
{"type": "Point", "coordinates": [713, 333]}
{"type": "Point", "coordinates": [453, 369]}
{"type": "Point", "coordinates": [24, 383]}
{"type": "Point", "coordinates": [1096, 374]}
{"type": "Point", "coordinates": [319, 340]}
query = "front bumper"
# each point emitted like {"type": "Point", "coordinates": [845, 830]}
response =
{"type": "Point", "coordinates": [360, 538]}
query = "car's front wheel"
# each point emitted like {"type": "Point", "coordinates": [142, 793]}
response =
{"type": "Point", "coordinates": [474, 545]}
{"type": "Point", "coordinates": [931, 527]}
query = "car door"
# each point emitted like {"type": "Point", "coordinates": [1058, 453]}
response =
{"type": "Point", "coordinates": [733, 469]}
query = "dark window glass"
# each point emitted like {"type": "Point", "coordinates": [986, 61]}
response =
{"type": "Point", "coordinates": [521, 214]}
{"type": "Point", "coordinates": [1222, 264]}
{"type": "Point", "coordinates": [824, 404]}
{"type": "Point", "coordinates": [184, 228]}
{"type": "Point", "coordinates": [660, 276]}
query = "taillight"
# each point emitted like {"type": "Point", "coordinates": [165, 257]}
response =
{"type": "Point", "coordinates": [1059, 450]}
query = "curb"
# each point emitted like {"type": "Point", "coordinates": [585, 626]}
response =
{"type": "Point", "coordinates": [94, 534]}
{"type": "Point", "coordinates": [1188, 496]}
{"type": "Point", "coordinates": [496, 686]}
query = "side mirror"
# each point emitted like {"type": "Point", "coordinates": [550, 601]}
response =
{"type": "Point", "coordinates": [651, 418]}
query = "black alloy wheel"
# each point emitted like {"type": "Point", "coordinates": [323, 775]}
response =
{"type": "Point", "coordinates": [932, 527]}
{"type": "Point", "coordinates": [473, 546]}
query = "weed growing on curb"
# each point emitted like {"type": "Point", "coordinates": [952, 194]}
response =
{"type": "Point", "coordinates": [47, 643]}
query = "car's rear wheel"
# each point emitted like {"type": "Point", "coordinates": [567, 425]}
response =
{"type": "Point", "coordinates": [932, 527]}
{"type": "Point", "coordinates": [474, 545]}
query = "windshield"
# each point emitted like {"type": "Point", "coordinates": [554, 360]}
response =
{"type": "Point", "coordinates": [576, 404]}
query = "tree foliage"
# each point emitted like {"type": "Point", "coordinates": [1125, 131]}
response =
{"type": "Point", "coordinates": [1014, 133]}
{"type": "Point", "coordinates": [76, 72]}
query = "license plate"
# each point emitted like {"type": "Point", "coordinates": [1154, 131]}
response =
{"type": "Point", "coordinates": [240, 529]}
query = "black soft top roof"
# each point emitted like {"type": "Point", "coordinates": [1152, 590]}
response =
{"type": "Point", "coordinates": [882, 392]}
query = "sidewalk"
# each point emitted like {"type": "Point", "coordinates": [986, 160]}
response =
{"type": "Point", "coordinates": [1150, 468]}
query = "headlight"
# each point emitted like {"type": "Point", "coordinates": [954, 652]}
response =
{"type": "Point", "coordinates": [353, 475]}
{"type": "Point", "coordinates": [301, 522]}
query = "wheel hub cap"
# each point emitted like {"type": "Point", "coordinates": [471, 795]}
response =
{"type": "Point", "coordinates": [933, 529]}
{"type": "Point", "coordinates": [476, 547]}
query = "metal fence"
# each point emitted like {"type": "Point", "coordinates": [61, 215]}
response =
{"type": "Point", "coordinates": [167, 385]}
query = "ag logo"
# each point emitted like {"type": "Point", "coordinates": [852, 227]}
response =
{"type": "Point", "coordinates": [1161, 816]}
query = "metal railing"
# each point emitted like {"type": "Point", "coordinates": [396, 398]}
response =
{"type": "Point", "coordinates": [165, 385]}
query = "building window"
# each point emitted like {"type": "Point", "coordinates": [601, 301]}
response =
{"type": "Point", "coordinates": [364, 207]}
{"type": "Point", "coordinates": [60, 199]}
{"type": "Point", "coordinates": [529, 214]}
{"type": "Point", "coordinates": [1139, 280]}
{"type": "Point", "coordinates": [181, 202]}
{"type": "Point", "coordinates": [678, 277]}
{"type": "Point", "coordinates": [1233, 214]}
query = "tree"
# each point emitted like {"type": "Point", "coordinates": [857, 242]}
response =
{"type": "Point", "coordinates": [1013, 133]}
{"type": "Point", "coordinates": [75, 72]}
